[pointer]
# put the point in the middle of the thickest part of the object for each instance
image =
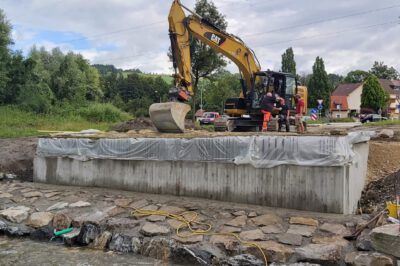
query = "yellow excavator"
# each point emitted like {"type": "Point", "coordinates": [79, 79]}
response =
{"type": "Point", "coordinates": [245, 110]}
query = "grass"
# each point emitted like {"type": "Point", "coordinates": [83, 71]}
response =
{"type": "Point", "coordinates": [16, 123]}
{"type": "Point", "coordinates": [383, 123]}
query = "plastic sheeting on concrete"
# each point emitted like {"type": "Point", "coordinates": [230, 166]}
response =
{"type": "Point", "coordinates": [259, 151]}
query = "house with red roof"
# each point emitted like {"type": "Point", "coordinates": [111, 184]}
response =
{"type": "Point", "coordinates": [392, 87]}
{"type": "Point", "coordinates": [346, 100]}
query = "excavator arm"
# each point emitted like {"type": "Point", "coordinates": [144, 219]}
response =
{"type": "Point", "coordinates": [227, 44]}
{"type": "Point", "coordinates": [169, 117]}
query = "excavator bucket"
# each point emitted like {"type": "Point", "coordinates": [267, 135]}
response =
{"type": "Point", "coordinates": [169, 117]}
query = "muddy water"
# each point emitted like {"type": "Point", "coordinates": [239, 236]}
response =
{"type": "Point", "coordinates": [27, 252]}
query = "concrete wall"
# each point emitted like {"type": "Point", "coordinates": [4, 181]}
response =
{"type": "Point", "coordinates": [333, 189]}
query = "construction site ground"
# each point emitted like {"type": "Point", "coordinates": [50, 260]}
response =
{"type": "Point", "coordinates": [283, 235]}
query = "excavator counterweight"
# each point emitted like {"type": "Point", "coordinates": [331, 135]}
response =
{"type": "Point", "coordinates": [169, 117]}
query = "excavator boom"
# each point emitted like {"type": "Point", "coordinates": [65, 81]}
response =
{"type": "Point", "coordinates": [164, 115]}
{"type": "Point", "coordinates": [169, 117]}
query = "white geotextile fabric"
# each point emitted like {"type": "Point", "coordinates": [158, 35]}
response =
{"type": "Point", "coordinates": [259, 151]}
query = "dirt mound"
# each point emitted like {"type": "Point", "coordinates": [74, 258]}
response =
{"type": "Point", "coordinates": [16, 156]}
{"type": "Point", "coordinates": [134, 124]}
{"type": "Point", "coordinates": [383, 159]}
{"type": "Point", "coordinates": [377, 193]}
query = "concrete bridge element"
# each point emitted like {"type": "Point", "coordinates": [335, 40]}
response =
{"type": "Point", "coordinates": [313, 173]}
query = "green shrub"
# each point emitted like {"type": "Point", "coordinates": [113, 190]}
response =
{"type": "Point", "coordinates": [103, 112]}
{"type": "Point", "coordinates": [197, 125]}
{"type": "Point", "coordinates": [342, 120]}
{"type": "Point", "coordinates": [141, 112]}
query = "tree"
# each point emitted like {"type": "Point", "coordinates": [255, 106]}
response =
{"type": "Point", "coordinates": [334, 80]}
{"type": "Point", "coordinates": [68, 81]}
{"type": "Point", "coordinates": [356, 76]}
{"type": "Point", "coordinates": [382, 71]}
{"type": "Point", "coordinates": [373, 95]}
{"type": "Point", "coordinates": [218, 90]}
{"type": "Point", "coordinates": [5, 42]}
{"type": "Point", "coordinates": [319, 87]}
{"type": "Point", "coordinates": [35, 94]}
{"type": "Point", "coordinates": [205, 61]}
{"type": "Point", "coordinates": [288, 63]}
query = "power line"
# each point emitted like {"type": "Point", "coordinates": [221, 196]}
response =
{"type": "Point", "coordinates": [332, 33]}
{"type": "Point", "coordinates": [323, 20]}
{"type": "Point", "coordinates": [93, 37]}
{"type": "Point", "coordinates": [270, 44]}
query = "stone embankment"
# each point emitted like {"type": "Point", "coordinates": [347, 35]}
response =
{"type": "Point", "coordinates": [105, 219]}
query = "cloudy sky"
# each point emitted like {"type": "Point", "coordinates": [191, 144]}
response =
{"type": "Point", "coordinates": [133, 33]}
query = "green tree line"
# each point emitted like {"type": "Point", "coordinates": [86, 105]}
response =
{"type": "Point", "coordinates": [44, 81]}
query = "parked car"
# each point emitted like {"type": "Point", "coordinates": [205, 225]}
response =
{"type": "Point", "coordinates": [221, 123]}
{"type": "Point", "coordinates": [372, 118]}
{"type": "Point", "coordinates": [209, 118]}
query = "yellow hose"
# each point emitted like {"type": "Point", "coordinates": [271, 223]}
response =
{"type": "Point", "coordinates": [187, 223]}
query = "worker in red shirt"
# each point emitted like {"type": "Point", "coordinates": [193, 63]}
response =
{"type": "Point", "coordinates": [299, 113]}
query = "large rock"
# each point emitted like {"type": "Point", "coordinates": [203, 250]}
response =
{"type": "Point", "coordinates": [175, 224]}
{"type": "Point", "coordinates": [272, 229]}
{"type": "Point", "coordinates": [239, 213]}
{"type": "Point", "coordinates": [33, 194]}
{"type": "Point", "coordinates": [158, 248]}
{"type": "Point", "coordinates": [122, 202]}
{"type": "Point", "coordinates": [189, 239]}
{"type": "Point", "coordinates": [52, 194]}
{"type": "Point", "coordinates": [102, 241]}
{"type": "Point", "coordinates": [40, 219]}
{"type": "Point", "coordinates": [80, 204]}
{"type": "Point", "coordinates": [386, 239]}
{"type": "Point", "coordinates": [368, 259]}
{"type": "Point", "coordinates": [275, 252]}
{"type": "Point", "coordinates": [290, 239]}
{"type": "Point", "coordinates": [267, 219]}
{"type": "Point", "coordinates": [121, 243]}
{"type": "Point", "coordinates": [172, 209]}
{"type": "Point", "coordinates": [139, 204]}
{"type": "Point", "coordinates": [155, 218]}
{"type": "Point", "coordinates": [3, 226]}
{"type": "Point", "coordinates": [6, 195]}
{"type": "Point", "coordinates": [228, 243]}
{"type": "Point", "coordinates": [304, 230]}
{"type": "Point", "coordinates": [42, 234]}
{"type": "Point", "coordinates": [91, 217]}
{"type": "Point", "coordinates": [121, 223]}
{"type": "Point", "coordinates": [61, 221]}
{"type": "Point", "coordinates": [20, 230]}
{"type": "Point", "coordinates": [338, 240]}
{"type": "Point", "coordinates": [184, 255]}
{"type": "Point", "coordinates": [303, 221]}
{"type": "Point", "coordinates": [71, 237]}
{"type": "Point", "coordinates": [16, 214]}
{"type": "Point", "coordinates": [252, 235]}
{"type": "Point", "coordinates": [320, 253]}
{"type": "Point", "coordinates": [386, 133]}
{"type": "Point", "coordinates": [363, 241]}
{"type": "Point", "coordinates": [229, 229]}
{"type": "Point", "coordinates": [244, 260]}
{"type": "Point", "coordinates": [58, 206]}
{"type": "Point", "coordinates": [239, 221]}
{"type": "Point", "coordinates": [336, 229]}
{"type": "Point", "coordinates": [151, 229]}
{"type": "Point", "coordinates": [88, 234]}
